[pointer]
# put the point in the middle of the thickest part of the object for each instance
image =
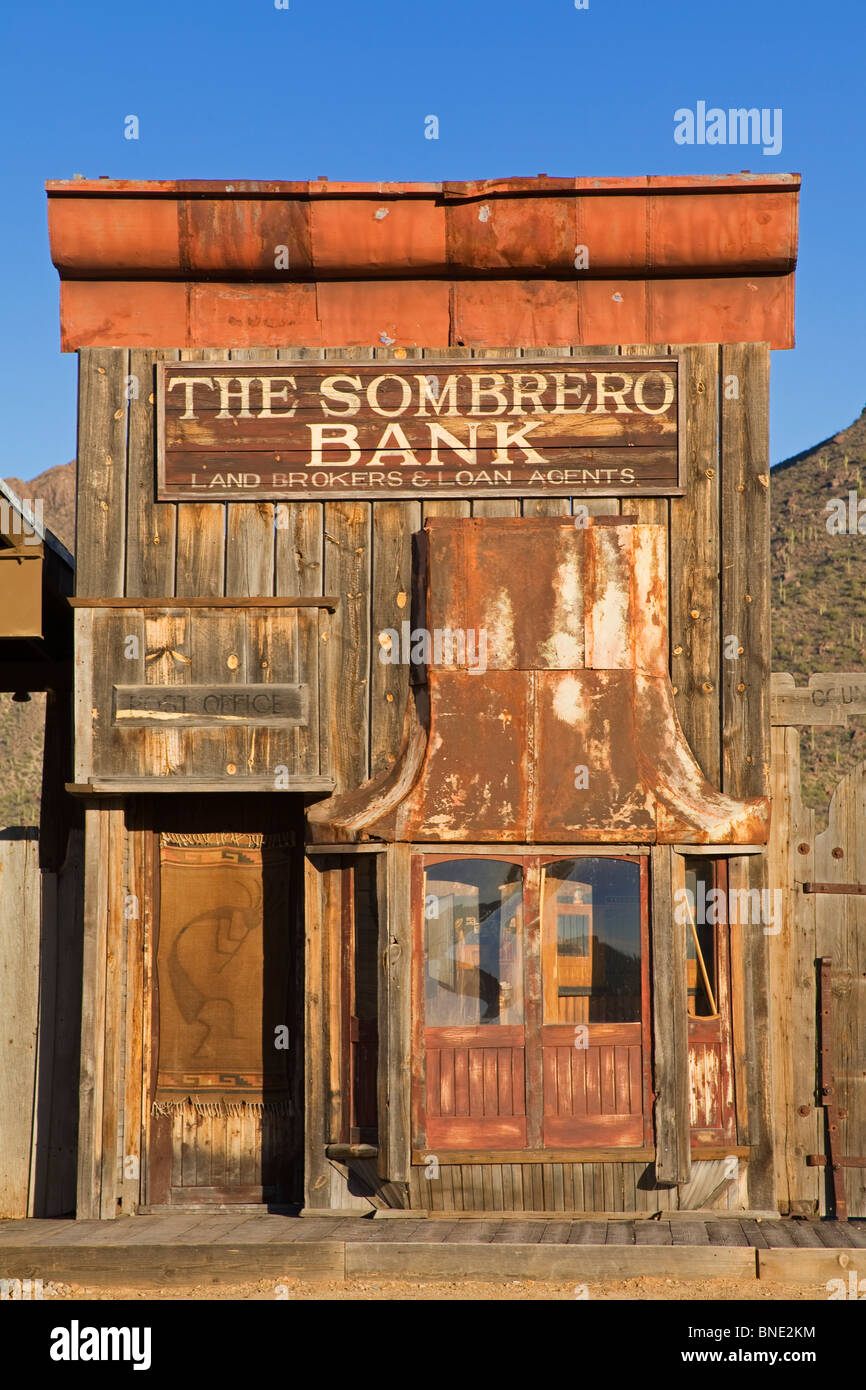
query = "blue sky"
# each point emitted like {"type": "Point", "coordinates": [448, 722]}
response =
{"type": "Point", "coordinates": [240, 89]}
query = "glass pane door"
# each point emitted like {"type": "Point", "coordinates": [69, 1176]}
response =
{"type": "Point", "coordinates": [474, 1004]}
{"type": "Point", "coordinates": [711, 1085]}
{"type": "Point", "coordinates": [593, 970]}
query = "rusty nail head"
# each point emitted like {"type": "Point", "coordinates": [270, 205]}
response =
{"type": "Point", "coordinates": [803, 848]}
{"type": "Point", "coordinates": [838, 852]}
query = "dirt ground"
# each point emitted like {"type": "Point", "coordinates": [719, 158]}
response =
{"type": "Point", "coordinates": [469, 1290]}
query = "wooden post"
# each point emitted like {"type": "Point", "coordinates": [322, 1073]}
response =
{"type": "Point", "coordinates": [746, 747]}
{"type": "Point", "coordinates": [694, 564]}
{"type": "Point", "coordinates": [395, 1031]}
{"type": "Point", "coordinates": [100, 527]}
{"type": "Point", "coordinates": [100, 1096]}
{"type": "Point", "coordinates": [19, 1010]}
{"type": "Point", "coordinates": [316, 1167]}
{"type": "Point", "coordinates": [670, 1024]}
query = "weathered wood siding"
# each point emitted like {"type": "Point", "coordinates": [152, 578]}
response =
{"type": "Point", "coordinates": [591, 1186]}
{"type": "Point", "coordinates": [814, 925]}
{"type": "Point", "coordinates": [40, 1005]}
{"type": "Point", "coordinates": [20, 911]}
{"type": "Point", "coordinates": [130, 547]}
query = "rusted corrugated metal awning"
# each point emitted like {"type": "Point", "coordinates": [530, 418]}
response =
{"type": "Point", "coordinates": [493, 262]}
{"type": "Point", "coordinates": [569, 732]}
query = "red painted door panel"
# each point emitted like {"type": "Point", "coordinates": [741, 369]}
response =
{"type": "Point", "coordinates": [476, 1088]}
{"type": "Point", "coordinates": [593, 1093]}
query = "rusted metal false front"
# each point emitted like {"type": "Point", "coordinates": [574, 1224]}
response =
{"type": "Point", "coordinates": [545, 714]}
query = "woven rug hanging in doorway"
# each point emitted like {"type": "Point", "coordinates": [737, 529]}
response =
{"type": "Point", "coordinates": [222, 970]}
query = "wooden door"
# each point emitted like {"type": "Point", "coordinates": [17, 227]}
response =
{"type": "Point", "coordinates": [711, 1083]}
{"type": "Point", "coordinates": [223, 1114]}
{"type": "Point", "coordinates": [360, 1000]}
{"type": "Point", "coordinates": [474, 1034]}
{"type": "Point", "coordinates": [594, 1035]}
{"type": "Point", "coordinates": [533, 982]}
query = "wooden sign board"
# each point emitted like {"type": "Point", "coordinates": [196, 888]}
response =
{"type": "Point", "coordinates": [461, 428]}
{"type": "Point", "coordinates": [209, 706]}
{"type": "Point", "coordinates": [827, 700]}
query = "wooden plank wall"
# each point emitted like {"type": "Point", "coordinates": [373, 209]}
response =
{"type": "Point", "coordinates": [815, 925]}
{"type": "Point", "coordinates": [670, 1026]}
{"type": "Point", "coordinates": [20, 911]}
{"type": "Point", "coordinates": [572, 1187]}
{"type": "Point", "coordinates": [40, 1001]}
{"type": "Point", "coordinates": [361, 551]}
{"type": "Point", "coordinates": [745, 723]}
{"type": "Point", "coordinates": [103, 1007]}
{"type": "Point", "coordinates": [54, 1174]}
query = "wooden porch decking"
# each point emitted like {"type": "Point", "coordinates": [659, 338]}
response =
{"type": "Point", "coordinates": [173, 1249]}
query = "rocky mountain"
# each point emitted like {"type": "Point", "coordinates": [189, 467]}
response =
{"type": "Point", "coordinates": [56, 487]}
{"type": "Point", "coordinates": [819, 588]}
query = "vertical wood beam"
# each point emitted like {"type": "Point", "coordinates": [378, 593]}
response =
{"type": "Point", "coordinates": [670, 1023]}
{"type": "Point", "coordinates": [695, 564]}
{"type": "Point", "coordinates": [750, 949]}
{"type": "Point", "coordinates": [137, 1041]}
{"type": "Point", "coordinates": [87, 1205]}
{"type": "Point", "coordinates": [20, 964]}
{"type": "Point", "coordinates": [150, 526]}
{"type": "Point", "coordinates": [201, 526]}
{"type": "Point", "coordinates": [393, 526]}
{"type": "Point", "coordinates": [100, 523]}
{"type": "Point", "coordinates": [316, 1167]}
{"type": "Point", "coordinates": [746, 568]}
{"type": "Point", "coordinates": [344, 667]}
{"type": "Point", "coordinates": [101, 1012]}
{"type": "Point", "coordinates": [746, 744]}
{"type": "Point", "coordinates": [395, 1022]}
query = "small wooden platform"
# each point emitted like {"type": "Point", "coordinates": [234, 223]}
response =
{"type": "Point", "coordinates": [224, 1249]}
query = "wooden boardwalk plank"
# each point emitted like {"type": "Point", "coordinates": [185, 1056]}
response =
{"type": "Point", "coordinates": [474, 1232]}
{"type": "Point", "coordinates": [652, 1233]}
{"type": "Point", "coordinates": [833, 1234]}
{"type": "Point", "coordinates": [689, 1233]}
{"type": "Point", "coordinates": [556, 1233]}
{"type": "Point", "coordinates": [252, 1231]}
{"type": "Point", "coordinates": [754, 1234]}
{"type": "Point", "coordinates": [39, 1232]}
{"type": "Point", "coordinates": [779, 1234]}
{"type": "Point", "coordinates": [400, 1228]}
{"type": "Point", "coordinates": [588, 1233]}
{"type": "Point", "coordinates": [207, 1234]}
{"type": "Point", "coordinates": [156, 1230]}
{"type": "Point", "coordinates": [519, 1232]}
{"type": "Point", "coordinates": [433, 1232]}
{"type": "Point", "coordinates": [313, 1228]}
{"type": "Point", "coordinates": [725, 1233]}
{"type": "Point", "coordinates": [620, 1233]}
{"type": "Point", "coordinates": [805, 1235]}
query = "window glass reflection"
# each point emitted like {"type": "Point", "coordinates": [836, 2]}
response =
{"type": "Point", "coordinates": [591, 941]}
{"type": "Point", "coordinates": [702, 973]}
{"type": "Point", "coordinates": [473, 910]}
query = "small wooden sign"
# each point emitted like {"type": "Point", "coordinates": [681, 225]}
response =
{"type": "Point", "coordinates": [209, 706]}
{"type": "Point", "coordinates": [528, 427]}
{"type": "Point", "coordinates": [827, 700]}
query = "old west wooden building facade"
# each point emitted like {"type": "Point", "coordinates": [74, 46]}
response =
{"type": "Point", "coordinates": [410, 932]}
